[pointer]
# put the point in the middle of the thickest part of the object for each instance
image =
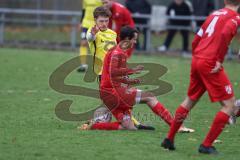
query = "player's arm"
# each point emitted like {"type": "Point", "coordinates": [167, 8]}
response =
{"type": "Point", "coordinates": [226, 36]}
{"type": "Point", "coordinates": [118, 73]}
{"type": "Point", "coordinates": [128, 19]}
{"type": "Point", "coordinates": [197, 39]}
{"type": "Point", "coordinates": [91, 34]}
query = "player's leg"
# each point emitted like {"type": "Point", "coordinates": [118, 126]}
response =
{"type": "Point", "coordinates": [158, 108]}
{"type": "Point", "coordinates": [195, 91]}
{"type": "Point", "coordinates": [236, 114]}
{"type": "Point", "coordinates": [101, 121]}
{"type": "Point", "coordinates": [219, 122]}
{"type": "Point", "coordinates": [180, 115]}
{"type": "Point", "coordinates": [220, 90]}
{"type": "Point", "coordinates": [83, 50]}
{"type": "Point", "coordinates": [141, 126]}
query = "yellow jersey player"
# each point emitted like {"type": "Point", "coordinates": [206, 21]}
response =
{"type": "Point", "coordinates": [87, 21]}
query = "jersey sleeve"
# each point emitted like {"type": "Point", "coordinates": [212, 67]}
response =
{"type": "Point", "coordinates": [128, 19]}
{"type": "Point", "coordinates": [118, 73]}
{"type": "Point", "coordinates": [226, 36]}
{"type": "Point", "coordinates": [197, 39]}
{"type": "Point", "coordinates": [91, 41]}
{"type": "Point", "coordinates": [199, 35]}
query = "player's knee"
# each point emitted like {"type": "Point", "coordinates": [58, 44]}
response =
{"type": "Point", "coordinates": [229, 105]}
{"type": "Point", "coordinates": [189, 103]}
{"type": "Point", "coordinates": [84, 43]}
{"type": "Point", "coordinates": [148, 97]}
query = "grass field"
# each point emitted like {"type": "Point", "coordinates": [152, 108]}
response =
{"type": "Point", "coordinates": [29, 128]}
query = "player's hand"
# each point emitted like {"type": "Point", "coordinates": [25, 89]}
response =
{"type": "Point", "coordinates": [136, 81]}
{"type": "Point", "coordinates": [138, 69]}
{"type": "Point", "coordinates": [217, 67]}
{"type": "Point", "coordinates": [94, 30]}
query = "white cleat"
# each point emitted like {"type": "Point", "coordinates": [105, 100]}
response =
{"type": "Point", "coordinates": [184, 129]}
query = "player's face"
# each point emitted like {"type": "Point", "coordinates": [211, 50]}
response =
{"type": "Point", "coordinates": [133, 41]}
{"type": "Point", "coordinates": [102, 23]}
{"type": "Point", "coordinates": [107, 3]}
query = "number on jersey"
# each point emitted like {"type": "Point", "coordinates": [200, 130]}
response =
{"type": "Point", "coordinates": [211, 27]}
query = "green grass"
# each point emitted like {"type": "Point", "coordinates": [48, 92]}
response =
{"type": "Point", "coordinates": [29, 128]}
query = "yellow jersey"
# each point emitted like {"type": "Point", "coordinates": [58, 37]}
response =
{"type": "Point", "coordinates": [99, 46]}
{"type": "Point", "coordinates": [89, 6]}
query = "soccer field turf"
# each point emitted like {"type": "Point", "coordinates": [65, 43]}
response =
{"type": "Point", "coordinates": [29, 128]}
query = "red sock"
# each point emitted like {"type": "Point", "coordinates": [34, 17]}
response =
{"type": "Point", "coordinates": [221, 119]}
{"type": "Point", "coordinates": [106, 126]}
{"type": "Point", "coordinates": [180, 115]}
{"type": "Point", "coordinates": [161, 111]}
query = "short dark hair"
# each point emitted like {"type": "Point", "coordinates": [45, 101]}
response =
{"type": "Point", "coordinates": [102, 11]}
{"type": "Point", "coordinates": [233, 2]}
{"type": "Point", "coordinates": [127, 32]}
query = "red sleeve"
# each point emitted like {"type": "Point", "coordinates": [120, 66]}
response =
{"type": "Point", "coordinates": [195, 42]}
{"type": "Point", "coordinates": [119, 73]}
{"type": "Point", "coordinates": [227, 34]}
{"type": "Point", "coordinates": [128, 19]}
{"type": "Point", "coordinates": [117, 61]}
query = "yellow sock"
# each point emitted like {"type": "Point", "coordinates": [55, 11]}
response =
{"type": "Point", "coordinates": [135, 121]}
{"type": "Point", "coordinates": [83, 54]}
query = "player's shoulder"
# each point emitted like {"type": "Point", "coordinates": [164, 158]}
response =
{"type": "Point", "coordinates": [235, 20]}
{"type": "Point", "coordinates": [92, 2]}
{"type": "Point", "coordinates": [119, 7]}
{"type": "Point", "coordinates": [110, 31]}
{"type": "Point", "coordinates": [224, 12]}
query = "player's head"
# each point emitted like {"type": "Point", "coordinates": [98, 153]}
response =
{"type": "Point", "coordinates": [107, 3]}
{"type": "Point", "coordinates": [101, 17]}
{"type": "Point", "coordinates": [129, 36]}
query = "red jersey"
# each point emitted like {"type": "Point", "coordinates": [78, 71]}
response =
{"type": "Point", "coordinates": [120, 17]}
{"type": "Point", "coordinates": [212, 40]}
{"type": "Point", "coordinates": [115, 71]}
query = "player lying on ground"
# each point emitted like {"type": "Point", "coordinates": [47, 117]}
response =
{"type": "Point", "coordinates": [209, 48]}
{"type": "Point", "coordinates": [115, 88]}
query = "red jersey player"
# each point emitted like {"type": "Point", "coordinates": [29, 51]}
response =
{"type": "Point", "coordinates": [207, 74]}
{"type": "Point", "coordinates": [115, 88]}
{"type": "Point", "coordinates": [120, 16]}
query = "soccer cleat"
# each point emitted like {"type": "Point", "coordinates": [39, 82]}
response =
{"type": "Point", "coordinates": [144, 127]}
{"type": "Point", "coordinates": [184, 129]}
{"type": "Point", "coordinates": [167, 144]}
{"type": "Point", "coordinates": [82, 68]}
{"type": "Point", "coordinates": [207, 150]}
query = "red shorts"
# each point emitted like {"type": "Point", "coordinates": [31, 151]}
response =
{"type": "Point", "coordinates": [119, 101]}
{"type": "Point", "coordinates": [217, 84]}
